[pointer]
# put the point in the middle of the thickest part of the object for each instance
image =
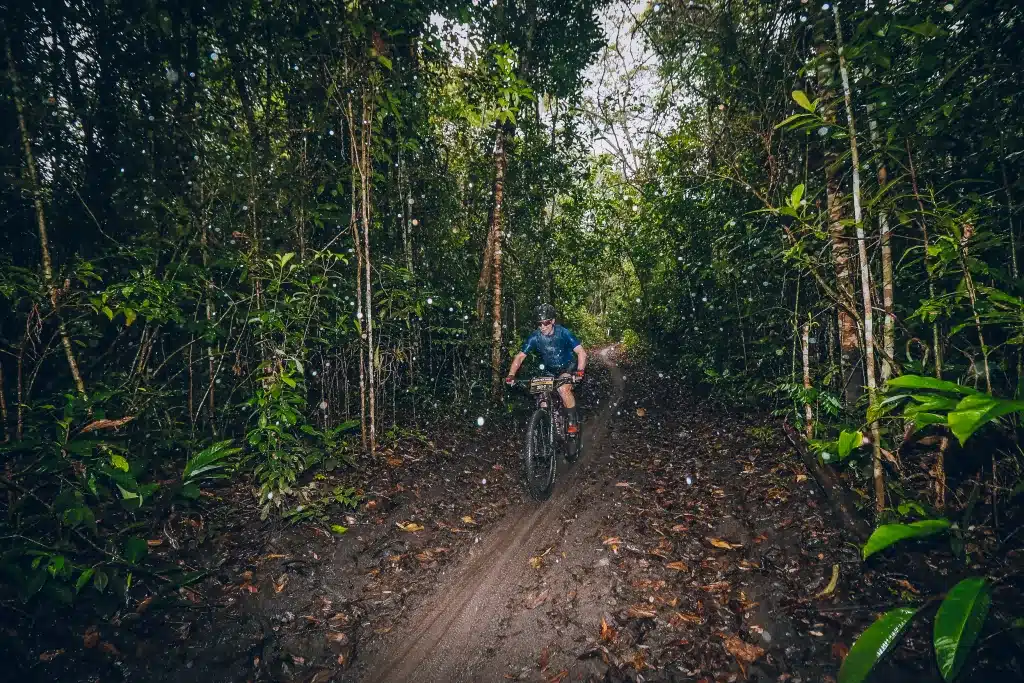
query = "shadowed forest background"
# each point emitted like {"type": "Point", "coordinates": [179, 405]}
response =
{"type": "Point", "coordinates": [251, 246]}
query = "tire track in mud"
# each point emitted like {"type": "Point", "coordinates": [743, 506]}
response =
{"type": "Point", "coordinates": [444, 636]}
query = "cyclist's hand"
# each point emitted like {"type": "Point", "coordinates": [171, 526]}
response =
{"type": "Point", "coordinates": [577, 377]}
{"type": "Point", "coordinates": [510, 380]}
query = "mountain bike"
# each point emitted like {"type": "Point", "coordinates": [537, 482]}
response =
{"type": "Point", "coordinates": [546, 435]}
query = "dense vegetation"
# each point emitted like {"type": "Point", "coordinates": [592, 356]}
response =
{"type": "Point", "coordinates": [256, 240]}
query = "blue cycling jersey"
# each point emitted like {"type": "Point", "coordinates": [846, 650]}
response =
{"type": "Point", "coordinates": [556, 349]}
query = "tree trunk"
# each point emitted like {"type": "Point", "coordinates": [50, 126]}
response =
{"type": "Point", "coordinates": [865, 275]}
{"type": "Point", "coordinates": [357, 245]}
{"type": "Point", "coordinates": [3, 406]}
{"type": "Point", "coordinates": [500, 162]}
{"type": "Point", "coordinates": [849, 340]}
{"type": "Point", "coordinates": [805, 339]}
{"type": "Point", "coordinates": [936, 339]}
{"type": "Point", "coordinates": [44, 242]}
{"type": "Point", "coordinates": [885, 239]}
{"type": "Point", "coordinates": [366, 181]}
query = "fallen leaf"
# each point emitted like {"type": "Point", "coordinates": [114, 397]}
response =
{"type": "Point", "coordinates": [716, 587]}
{"type": "Point", "coordinates": [607, 632]}
{"type": "Point", "coordinates": [545, 655]}
{"type": "Point", "coordinates": [623, 484]}
{"type": "Point", "coordinates": [832, 583]}
{"type": "Point", "coordinates": [906, 584]}
{"type": "Point", "coordinates": [395, 462]}
{"type": "Point", "coordinates": [613, 543]}
{"type": "Point", "coordinates": [281, 582]}
{"type": "Point", "coordinates": [91, 638]}
{"type": "Point", "coordinates": [106, 424]}
{"type": "Point", "coordinates": [154, 542]}
{"type": "Point", "coordinates": [110, 649]}
{"type": "Point", "coordinates": [680, 527]}
{"type": "Point", "coordinates": [818, 634]}
{"type": "Point", "coordinates": [337, 637]}
{"type": "Point", "coordinates": [640, 412]}
{"type": "Point", "coordinates": [409, 526]}
{"type": "Point", "coordinates": [468, 520]}
{"type": "Point", "coordinates": [743, 651]}
{"type": "Point", "coordinates": [641, 612]}
{"type": "Point", "coordinates": [801, 478]}
{"type": "Point", "coordinates": [684, 618]}
{"type": "Point", "coordinates": [144, 605]}
{"type": "Point", "coordinates": [536, 562]}
{"type": "Point", "coordinates": [50, 655]}
{"type": "Point", "coordinates": [639, 663]}
{"type": "Point", "coordinates": [559, 677]}
{"type": "Point", "coordinates": [725, 545]}
{"type": "Point", "coordinates": [678, 566]}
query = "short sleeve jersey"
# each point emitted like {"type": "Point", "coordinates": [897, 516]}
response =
{"type": "Point", "coordinates": [555, 350]}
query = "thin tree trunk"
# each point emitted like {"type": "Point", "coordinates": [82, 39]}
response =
{"type": "Point", "coordinates": [936, 339]}
{"type": "Point", "coordinates": [865, 275]}
{"type": "Point", "coordinates": [3, 406]}
{"type": "Point", "coordinates": [368, 291]}
{"type": "Point", "coordinates": [805, 339]}
{"type": "Point", "coordinates": [483, 285]}
{"type": "Point", "coordinates": [888, 294]}
{"type": "Point", "coordinates": [849, 341]}
{"type": "Point", "coordinates": [357, 245]}
{"type": "Point", "coordinates": [973, 297]}
{"type": "Point", "coordinates": [211, 363]}
{"type": "Point", "coordinates": [44, 242]}
{"type": "Point", "coordinates": [500, 161]}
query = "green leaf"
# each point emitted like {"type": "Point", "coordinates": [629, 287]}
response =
{"type": "Point", "coordinates": [888, 534]}
{"type": "Point", "coordinates": [119, 462]}
{"type": "Point", "coordinates": [792, 119]}
{"type": "Point", "coordinates": [801, 98]}
{"type": "Point", "coordinates": [135, 549]}
{"type": "Point", "coordinates": [958, 623]}
{"type": "Point", "coordinates": [107, 312]}
{"type": "Point", "coordinates": [84, 578]}
{"type": "Point", "coordinates": [129, 316]}
{"type": "Point", "coordinates": [975, 411]}
{"type": "Point", "coordinates": [385, 62]}
{"type": "Point", "coordinates": [848, 441]}
{"type": "Point", "coordinates": [874, 644]}
{"type": "Point", "coordinates": [919, 382]}
{"type": "Point", "coordinates": [100, 580]}
{"type": "Point", "coordinates": [338, 529]}
{"type": "Point", "coordinates": [796, 196]}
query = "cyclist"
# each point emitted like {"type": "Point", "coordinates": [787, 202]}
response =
{"type": "Point", "coordinates": [556, 346]}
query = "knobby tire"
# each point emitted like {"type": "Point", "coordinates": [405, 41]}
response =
{"type": "Point", "coordinates": [539, 456]}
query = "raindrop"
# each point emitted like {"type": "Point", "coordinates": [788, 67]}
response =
{"type": "Point", "coordinates": [430, 300]}
{"type": "Point", "coordinates": [948, 7]}
{"type": "Point", "coordinates": [823, 131]}
{"type": "Point", "coordinates": [323, 405]}
{"type": "Point", "coordinates": [330, 132]}
{"type": "Point", "coordinates": [803, 18]}
{"type": "Point", "coordinates": [826, 7]}
{"type": "Point", "coordinates": [214, 56]}
{"type": "Point", "coordinates": [484, 482]}
{"type": "Point", "coordinates": [480, 423]}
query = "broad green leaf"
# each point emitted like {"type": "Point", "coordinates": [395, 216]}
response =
{"type": "Point", "coordinates": [135, 549]}
{"type": "Point", "coordinates": [99, 580]}
{"type": "Point", "coordinates": [874, 644]}
{"type": "Point", "coordinates": [958, 623]}
{"type": "Point", "coordinates": [791, 119]}
{"type": "Point", "coordinates": [796, 196]}
{"type": "Point", "coordinates": [338, 529]}
{"type": "Point", "coordinates": [129, 316]}
{"type": "Point", "coordinates": [801, 98]}
{"type": "Point", "coordinates": [888, 534]}
{"type": "Point", "coordinates": [84, 578]}
{"type": "Point", "coordinates": [119, 462]}
{"type": "Point", "coordinates": [848, 441]}
{"type": "Point", "coordinates": [975, 411]}
{"type": "Point", "coordinates": [126, 494]}
{"type": "Point", "coordinates": [107, 312]}
{"type": "Point", "coordinates": [920, 382]}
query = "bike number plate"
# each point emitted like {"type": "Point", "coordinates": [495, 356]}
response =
{"type": "Point", "coordinates": [538, 385]}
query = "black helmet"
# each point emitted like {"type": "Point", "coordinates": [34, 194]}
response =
{"type": "Point", "coordinates": [544, 312]}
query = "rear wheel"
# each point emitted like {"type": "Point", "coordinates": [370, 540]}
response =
{"type": "Point", "coordinates": [539, 456]}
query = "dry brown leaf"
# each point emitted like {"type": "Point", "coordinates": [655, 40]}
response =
{"type": "Point", "coordinates": [281, 582]}
{"type": "Point", "coordinates": [839, 651]}
{"type": "Point", "coordinates": [684, 618]}
{"type": "Point", "coordinates": [717, 587]}
{"type": "Point", "coordinates": [154, 542]}
{"type": "Point", "coordinates": [106, 424]}
{"type": "Point", "coordinates": [623, 484]}
{"type": "Point", "coordinates": [91, 638]}
{"type": "Point", "coordinates": [50, 655]}
{"type": "Point", "coordinates": [468, 520]}
{"type": "Point", "coordinates": [639, 663]}
{"type": "Point", "coordinates": [801, 478]}
{"type": "Point", "coordinates": [409, 526]}
{"type": "Point", "coordinates": [396, 462]}
{"type": "Point", "coordinates": [906, 584]}
{"type": "Point", "coordinates": [337, 637]}
{"type": "Point", "coordinates": [725, 545]}
{"type": "Point", "coordinates": [545, 655]}
{"type": "Point", "coordinates": [640, 412]}
{"type": "Point", "coordinates": [641, 612]}
{"type": "Point", "coordinates": [536, 562]}
{"type": "Point", "coordinates": [559, 677]}
{"type": "Point", "coordinates": [607, 632]}
{"type": "Point", "coordinates": [144, 605]}
{"type": "Point", "coordinates": [743, 651]}
{"type": "Point", "coordinates": [680, 527]}
{"type": "Point", "coordinates": [678, 565]}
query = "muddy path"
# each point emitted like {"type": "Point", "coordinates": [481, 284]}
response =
{"type": "Point", "coordinates": [476, 625]}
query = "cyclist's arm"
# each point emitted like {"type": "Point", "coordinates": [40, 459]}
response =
{"type": "Point", "coordinates": [516, 362]}
{"type": "Point", "coordinates": [581, 357]}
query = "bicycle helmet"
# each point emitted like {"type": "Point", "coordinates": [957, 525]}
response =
{"type": "Point", "coordinates": [544, 312]}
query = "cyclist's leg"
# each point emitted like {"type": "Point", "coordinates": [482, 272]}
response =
{"type": "Point", "coordinates": [569, 401]}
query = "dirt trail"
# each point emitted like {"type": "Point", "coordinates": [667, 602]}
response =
{"type": "Point", "coordinates": [460, 634]}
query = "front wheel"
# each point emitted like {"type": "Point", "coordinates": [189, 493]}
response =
{"type": "Point", "coordinates": [538, 456]}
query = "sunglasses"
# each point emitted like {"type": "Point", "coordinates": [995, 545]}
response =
{"type": "Point", "coordinates": [547, 322]}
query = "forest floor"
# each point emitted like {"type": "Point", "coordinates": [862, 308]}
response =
{"type": "Point", "coordinates": [687, 544]}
